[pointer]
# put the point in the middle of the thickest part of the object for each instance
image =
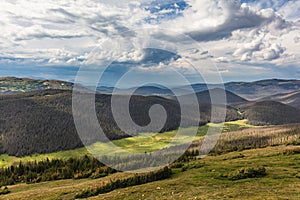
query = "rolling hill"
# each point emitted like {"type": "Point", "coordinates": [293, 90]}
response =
{"type": "Point", "coordinates": [231, 174]}
{"type": "Point", "coordinates": [153, 90]}
{"type": "Point", "coordinates": [269, 113]}
{"type": "Point", "coordinates": [217, 93]}
{"type": "Point", "coordinates": [292, 99]}
{"type": "Point", "coordinates": [42, 121]}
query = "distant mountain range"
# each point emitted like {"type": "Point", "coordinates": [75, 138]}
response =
{"type": "Point", "coordinates": [248, 90]}
{"type": "Point", "coordinates": [259, 89]}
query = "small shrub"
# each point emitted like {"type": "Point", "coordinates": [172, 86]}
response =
{"type": "Point", "coordinates": [176, 165]}
{"type": "Point", "coordinates": [238, 156]}
{"type": "Point", "coordinates": [138, 179]}
{"type": "Point", "coordinates": [245, 173]}
{"type": "Point", "coordinates": [192, 166]}
{"type": "Point", "coordinates": [4, 191]}
{"type": "Point", "coordinates": [295, 150]}
{"type": "Point", "coordinates": [96, 175]}
{"type": "Point", "coordinates": [78, 176]}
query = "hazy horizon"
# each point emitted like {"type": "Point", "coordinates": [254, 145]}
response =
{"type": "Point", "coordinates": [153, 84]}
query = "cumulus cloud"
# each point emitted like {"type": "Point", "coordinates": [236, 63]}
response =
{"type": "Point", "coordinates": [260, 51]}
{"type": "Point", "coordinates": [28, 23]}
{"type": "Point", "coordinates": [83, 32]}
{"type": "Point", "coordinates": [250, 28]}
{"type": "Point", "coordinates": [287, 10]}
{"type": "Point", "coordinates": [213, 20]}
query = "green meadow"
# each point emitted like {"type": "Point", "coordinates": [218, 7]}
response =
{"type": "Point", "coordinates": [203, 180]}
{"type": "Point", "coordinates": [144, 142]}
{"type": "Point", "coordinates": [209, 177]}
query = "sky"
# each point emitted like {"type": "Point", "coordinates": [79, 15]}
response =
{"type": "Point", "coordinates": [157, 40]}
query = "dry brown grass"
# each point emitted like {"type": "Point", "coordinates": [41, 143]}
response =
{"type": "Point", "coordinates": [252, 138]}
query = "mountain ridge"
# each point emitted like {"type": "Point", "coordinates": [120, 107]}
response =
{"type": "Point", "coordinates": [292, 99]}
{"type": "Point", "coordinates": [249, 90]}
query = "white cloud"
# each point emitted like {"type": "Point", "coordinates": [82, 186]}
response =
{"type": "Point", "coordinates": [210, 20]}
{"type": "Point", "coordinates": [230, 32]}
{"type": "Point", "coordinates": [290, 10]}
{"type": "Point", "coordinates": [259, 49]}
{"type": "Point", "coordinates": [37, 25]}
{"type": "Point", "coordinates": [243, 32]}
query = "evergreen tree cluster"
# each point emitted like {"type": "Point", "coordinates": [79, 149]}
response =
{"type": "Point", "coordinates": [42, 121]}
{"type": "Point", "coordinates": [75, 168]}
{"type": "Point", "coordinates": [56, 169]}
{"type": "Point", "coordinates": [138, 179]}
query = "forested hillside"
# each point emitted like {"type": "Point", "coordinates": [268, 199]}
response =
{"type": "Point", "coordinates": [269, 113]}
{"type": "Point", "coordinates": [42, 121]}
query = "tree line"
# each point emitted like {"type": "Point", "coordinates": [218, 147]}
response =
{"type": "Point", "coordinates": [56, 169]}
{"type": "Point", "coordinates": [137, 179]}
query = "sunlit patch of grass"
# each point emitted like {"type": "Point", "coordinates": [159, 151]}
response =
{"type": "Point", "coordinates": [144, 142]}
{"type": "Point", "coordinates": [148, 142]}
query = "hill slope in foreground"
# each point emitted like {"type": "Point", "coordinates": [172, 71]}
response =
{"type": "Point", "coordinates": [206, 178]}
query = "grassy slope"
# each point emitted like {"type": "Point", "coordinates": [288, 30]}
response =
{"type": "Point", "coordinates": [202, 183]}
{"type": "Point", "coordinates": [145, 142]}
{"type": "Point", "coordinates": [280, 183]}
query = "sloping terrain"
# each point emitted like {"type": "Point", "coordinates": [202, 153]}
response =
{"type": "Point", "coordinates": [197, 179]}
{"type": "Point", "coordinates": [42, 121]}
{"type": "Point", "coordinates": [144, 142]}
{"type": "Point", "coordinates": [153, 90]}
{"type": "Point", "coordinates": [218, 95]}
{"type": "Point", "coordinates": [269, 113]}
{"type": "Point", "coordinates": [292, 99]}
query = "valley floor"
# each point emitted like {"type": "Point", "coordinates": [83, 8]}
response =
{"type": "Point", "coordinates": [145, 142]}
